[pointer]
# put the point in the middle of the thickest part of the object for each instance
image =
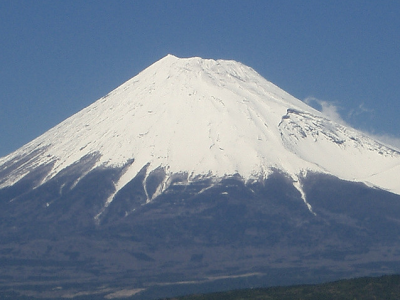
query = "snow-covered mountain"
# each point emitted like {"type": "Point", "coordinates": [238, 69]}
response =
{"type": "Point", "coordinates": [204, 118]}
{"type": "Point", "coordinates": [195, 173]}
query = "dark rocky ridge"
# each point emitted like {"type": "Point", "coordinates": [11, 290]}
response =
{"type": "Point", "coordinates": [200, 231]}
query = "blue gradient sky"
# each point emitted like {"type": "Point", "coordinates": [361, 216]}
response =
{"type": "Point", "coordinates": [57, 57]}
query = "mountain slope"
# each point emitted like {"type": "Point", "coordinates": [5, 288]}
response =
{"type": "Point", "coordinates": [204, 118]}
{"type": "Point", "coordinates": [193, 175]}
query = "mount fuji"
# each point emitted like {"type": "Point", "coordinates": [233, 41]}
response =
{"type": "Point", "coordinates": [196, 175]}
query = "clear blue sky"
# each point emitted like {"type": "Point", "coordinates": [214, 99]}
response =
{"type": "Point", "coordinates": [57, 57]}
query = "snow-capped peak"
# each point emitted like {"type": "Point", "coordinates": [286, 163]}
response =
{"type": "Point", "coordinates": [208, 118]}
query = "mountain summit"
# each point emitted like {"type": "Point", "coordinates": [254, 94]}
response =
{"type": "Point", "coordinates": [203, 118]}
{"type": "Point", "coordinates": [195, 174]}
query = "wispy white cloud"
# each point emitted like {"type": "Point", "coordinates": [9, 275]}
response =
{"type": "Point", "coordinates": [331, 111]}
{"type": "Point", "coordinates": [361, 109]}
